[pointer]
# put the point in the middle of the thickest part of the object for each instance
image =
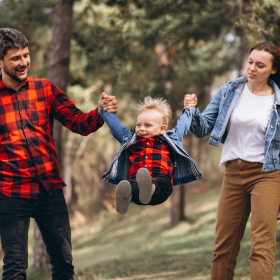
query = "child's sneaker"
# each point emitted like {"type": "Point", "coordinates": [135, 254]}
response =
{"type": "Point", "coordinates": [146, 186]}
{"type": "Point", "coordinates": [123, 196]}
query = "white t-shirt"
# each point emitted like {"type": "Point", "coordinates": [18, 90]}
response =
{"type": "Point", "coordinates": [247, 127]}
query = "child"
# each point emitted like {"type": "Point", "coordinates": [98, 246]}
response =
{"type": "Point", "coordinates": [151, 159]}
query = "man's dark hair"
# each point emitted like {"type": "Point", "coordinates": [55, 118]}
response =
{"type": "Point", "coordinates": [11, 39]}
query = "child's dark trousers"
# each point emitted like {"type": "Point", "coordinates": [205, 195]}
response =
{"type": "Point", "coordinates": [162, 192]}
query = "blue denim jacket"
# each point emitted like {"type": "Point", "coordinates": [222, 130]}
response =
{"type": "Point", "coordinates": [185, 170]}
{"type": "Point", "coordinates": [215, 118]}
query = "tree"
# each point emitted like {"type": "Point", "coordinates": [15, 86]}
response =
{"type": "Point", "coordinates": [58, 73]}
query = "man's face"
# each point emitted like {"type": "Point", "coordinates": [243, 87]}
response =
{"type": "Point", "coordinates": [15, 65]}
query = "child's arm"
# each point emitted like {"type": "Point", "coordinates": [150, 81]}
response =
{"type": "Point", "coordinates": [183, 124]}
{"type": "Point", "coordinates": [203, 123]}
{"type": "Point", "coordinates": [117, 129]}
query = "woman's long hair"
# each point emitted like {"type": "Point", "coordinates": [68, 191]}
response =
{"type": "Point", "coordinates": [275, 52]}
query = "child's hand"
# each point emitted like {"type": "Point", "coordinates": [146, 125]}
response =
{"type": "Point", "coordinates": [190, 100]}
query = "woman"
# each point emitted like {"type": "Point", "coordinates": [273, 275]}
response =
{"type": "Point", "coordinates": [244, 115]}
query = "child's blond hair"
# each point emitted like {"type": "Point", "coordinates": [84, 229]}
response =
{"type": "Point", "coordinates": [158, 104]}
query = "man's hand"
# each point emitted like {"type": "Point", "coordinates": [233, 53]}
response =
{"type": "Point", "coordinates": [108, 103]}
{"type": "Point", "coordinates": [190, 100]}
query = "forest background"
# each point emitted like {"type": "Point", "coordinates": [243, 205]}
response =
{"type": "Point", "coordinates": [132, 49]}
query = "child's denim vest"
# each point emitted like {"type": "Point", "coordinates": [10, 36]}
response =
{"type": "Point", "coordinates": [185, 169]}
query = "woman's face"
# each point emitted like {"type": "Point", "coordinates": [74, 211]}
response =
{"type": "Point", "coordinates": [259, 66]}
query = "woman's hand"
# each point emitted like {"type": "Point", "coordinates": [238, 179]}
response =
{"type": "Point", "coordinates": [190, 100]}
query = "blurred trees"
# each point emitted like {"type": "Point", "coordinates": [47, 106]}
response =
{"type": "Point", "coordinates": [157, 48]}
{"type": "Point", "coordinates": [135, 48]}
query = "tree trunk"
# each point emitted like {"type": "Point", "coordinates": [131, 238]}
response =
{"type": "Point", "coordinates": [100, 186]}
{"type": "Point", "coordinates": [40, 257]}
{"type": "Point", "coordinates": [242, 53]}
{"type": "Point", "coordinates": [68, 163]}
{"type": "Point", "coordinates": [277, 35]}
{"type": "Point", "coordinates": [177, 205]}
{"type": "Point", "coordinates": [177, 197]}
{"type": "Point", "coordinates": [1, 251]}
{"type": "Point", "coordinates": [58, 74]}
{"type": "Point", "coordinates": [60, 57]}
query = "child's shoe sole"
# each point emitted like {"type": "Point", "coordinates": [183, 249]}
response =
{"type": "Point", "coordinates": [123, 196]}
{"type": "Point", "coordinates": [144, 181]}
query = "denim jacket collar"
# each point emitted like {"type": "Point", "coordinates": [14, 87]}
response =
{"type": "Point", "coordinates": [242, 80]}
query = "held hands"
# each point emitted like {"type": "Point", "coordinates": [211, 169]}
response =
{"type": "Point", "coordinates": [190, 100]}
{"type": "Point", "coordinates": [278, 216]}
{"type": "Point", "coordinates": [108, 103]}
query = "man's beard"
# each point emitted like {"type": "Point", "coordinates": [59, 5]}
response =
{"type": "Point", "coordinates": [14, 75]}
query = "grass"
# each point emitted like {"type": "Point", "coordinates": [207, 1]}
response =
{"type": "Point", "coordinates": [140, 245]}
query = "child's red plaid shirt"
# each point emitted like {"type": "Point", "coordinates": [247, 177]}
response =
{"type": "Point", "coordinates": [27, 153]}
{"type": "Point", "coordinates": [152, 153]}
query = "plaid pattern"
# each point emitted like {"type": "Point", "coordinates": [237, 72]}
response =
{"type": "Point", "coordinates": [152, 153]}
{"type": "Point", "coordinates": [27, 152]}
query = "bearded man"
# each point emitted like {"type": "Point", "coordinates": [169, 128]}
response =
{"type": "Point", "coordinates": [30, 185]}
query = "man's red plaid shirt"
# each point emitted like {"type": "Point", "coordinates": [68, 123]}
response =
{"type": "Point", "coordinates": [153, 153]}
{"type": "Point", "coordinates": [27, 152]}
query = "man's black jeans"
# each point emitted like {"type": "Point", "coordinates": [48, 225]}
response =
{"type": "Point", "coordinates": [51, 216]}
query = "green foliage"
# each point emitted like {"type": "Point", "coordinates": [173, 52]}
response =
{"type": "Point", "coordinates": [135, 48]}
{"type": "Point", "coordinates": [33, 18]}
{"type": "Point", "coordinates": [117, 40]}
{"type": "Point", "coordinates": [25, 15]}
{"type": "Point", "coordinates": [259, 19]}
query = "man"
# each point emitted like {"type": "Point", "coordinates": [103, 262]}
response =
{"type": "Point", "coordinates": [30, 185]}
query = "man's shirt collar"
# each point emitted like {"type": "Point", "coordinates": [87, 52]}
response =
{"type": "Point", "coordinates": [26, 82]}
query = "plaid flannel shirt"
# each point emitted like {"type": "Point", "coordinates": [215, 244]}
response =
{"type": "Point", "coordinates": [152, 153]}
{"type": "Point", "coordinates": [27, 152]}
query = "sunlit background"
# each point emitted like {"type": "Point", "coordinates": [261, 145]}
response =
{"type": "Point", "coordinates": [132, 49]}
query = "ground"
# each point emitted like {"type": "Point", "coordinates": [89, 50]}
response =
{"type": "Point", "coordinates": [140, 245]}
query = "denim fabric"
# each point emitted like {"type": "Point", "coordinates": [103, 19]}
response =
{"type": "Point", "coordinates": [51, 216]}
{"type": "Point", "coordinates": [214, 119]}
{"type": "Point", "coordinates": [185, 169]}
{"type": "Point", "coordinates": [162, 192]}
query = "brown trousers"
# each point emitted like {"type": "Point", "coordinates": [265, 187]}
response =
{"type": "Point", "coordinates": [245, 189]}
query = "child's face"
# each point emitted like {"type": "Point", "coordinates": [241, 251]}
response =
{"type": "Point", "coordinates": [149, 123]}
